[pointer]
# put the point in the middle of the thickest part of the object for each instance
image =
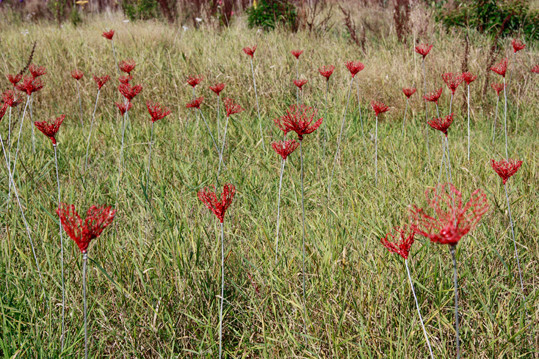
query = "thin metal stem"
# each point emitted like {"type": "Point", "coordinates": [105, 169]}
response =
{"type": "Point", "coordinates": [84, 260]}
{"type": "Point", "coordinates": [61, 248]}
{"type": "Point", "coordinates": [325, 130]}
{"type": "Point", "coordinates": [90, 133]}
{"type": "Point", "coordinates": [297, 77]}
{"type": "Point", "coordinates": [452, 249]}
{"type": "Point", "coordinates": [31, 124]}
{"type": "Point", "coordinates": [376, 153]}
{"type": "Point", "coordinates": [121, 157]}
{"type": "Point", "coordinates": [149, 163]}
{"type": "Point", "coordinates": [80, 102]}
{"type": "Point", "coordinates": [257, 106]}
{"type": "Point", "coordinates": [278, 211]}
{"type": "Point", "coordinates": [418, 311]}
{"type": "Point", "coordinates": [514, 240]}
{"type": "Point", "coordinates": [426, 113]}
{"type": "Point", "coordinates": [340, 137]}
{"type": "Point", "coordinates": [468, 122]}
{"type": "Point", "coordinates": [505, 117]}
{"type": "Point", "coordinates": [222, 147]}
{"type": "Point", "coordinates": [359, 110]}
{"type": "Point", "coordinates": [208, 127]}
{"type": "Point", "coordinates": [303, 241]}
{"type": "Point", "coordinates": [19, 141]}
{"type": "Point", "coordinates": [495, 119]}
{"type": "Point", "coordinates": [448, 158]}
{"type": "Point", "coordinates": [218, 119]}
{"type": "Point", "coordinates": [404, 121]}
{"type": "Point", "coordinates": [222, 290]}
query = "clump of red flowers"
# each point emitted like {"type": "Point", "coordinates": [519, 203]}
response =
{"type": "Point", "coordinates": [326, 71]}
{"type": "Point", "coordinates": [11, 98]}
{"type": "Point", "coordinates": [77, 74]}
{"type": "Point", "coordinates": [124, 107]}
{"type": "Point", "coordinates": [127, 66]}
{"type": "Point", "coordinates": [101, 81]}
{"type": "Point", "coordinates": [217, 88]}
{"type": "Point", "coordinates": [285, 148]}
{"type": "Point", "coordinates": [50, 129]}
{"type": "Point", "coordinates": [300, 83]}
{"type": "Point", "coordinates": [354, 67]}
{"type": "Point", "coordinates": [30, 85]}
{"type": "Point", "coordinates": [296, 53]}
{"type": "Point", "coordinates": [468, 77]}
{"type": "Point", "coordinates": [231, 107]}
{"type": "Point", "coordinates": [250, 50]}
{"type": "Point", "coordinates": [195, 103]}
{"type": "Point", "coordinates": [535, 69]}
{"type": "Point", "coordinates": [452, 219]}
{"type": "Point", "coordinates": [423, 49]}
{"type": "Point", "coordinates": [500, 68]}
{"type": "Point", "coordinates": [379, 107]}
{"type": "Point", "coordinates": [497, 87]}
{"type": "Point", "coordinates": [37, 71]}
{"type": "Point", "coordinates": [83, 232]}
{"type": "Point", "coordinates": [157, 112]}
{"type": "Point", "coordinates": [506, 168]}
{"type": "Point", "coordinates": [442, 123]}
{"type": "Point", "coordinates": [125, 79]}
{"type": "Point", "coordinates": [408, 92]}
{"type": "Point", "coordinates": [517, 45]}
{"type": "Point", "coordinates": [14, 79]}
{"type": "Point", "coordinates": [399, 240]}
{"type": "Point", "coordinates": [452, 80]}
{"type": "Point", "coordinates": [218, 206]}
{"type": "Point", "coordinates": [301, 119]}
{"type": "Point", "coordinates": [108, 34]}
{"type": "Point", "coordinates": [194, 80]}
{"type": "Point", "coordinates": [433, 96]}
{"type": "Point", "coordinates": [128, 91]}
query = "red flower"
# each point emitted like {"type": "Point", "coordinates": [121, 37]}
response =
{"type": "Point", "coordinates": [127, 66]}
{"type": "Point", "coordinates": [77, 74]}
{"type": "Point", "coordinates": [37, 71]}
{"type": "Point", "coordinates": [195, 103]}
{"type": "Point", "coordinates": [399, 240]}
{"type": "Point", "coordinates": [217, 88]}
{"type": "Point", "coordinates": [125, 79]}
{"type": "Point", "coordinates": [124, 107]}
{"type": "Point", "coordinates": [231, 107]}
{"type": "Point", "coordinates": [326, 71]}
{"type": "Point", "coordinates": [506, 169]}
{"type": "Point", "coordinates": [442, 123]}
{"type": "Point", "coordinates": [50, 129]}
{"type": "Point", "coordinates": [97, 219]}
{"type": "Point", "coordinates": [209, 198]}
{"type": "Point", "coordinates": [452, 80]}
{"type": "Point", "coordinates": [3, 110]}
{"type": "Point", "coordinates": [497, 87]}
{"type": "Point", "coordinates": [11, 98]}
{"type": "Point", "coordinates": [296, 53]}
{"type": "Point", "coordinates": [194, 80]}
{"type": "Point", "coordinates": [300, 83]}
{"type": "Point", "coordinates": [14, 79]}
{"type": "Point", "coordinates": [379, 107]}
{"type": "Point", "coordinates": [354, 67]}
{"type": "Point", "coordinates": [517, 45]}
{"type": "Point", "coordinates": [250, 50]}
{"type": "Point", "coordinates": [128, 91]}
{"type": "Point", "coordinates": [279, 122]}
{"type": "Point", "coordinates": [157, 111]}
{"type": "Point", "coordinates": [452, 219]}
{"type": "Point", "coordinates": [300, 120]}
{"type": "Point", "coordinates": [285, 148]}
{"type": "Point", "coordinates": [423, 49]}
{"type": "Point", "coordinates": [30, 85]}
{"type": "Point", "coordinates": [101, 81]}
{"type": "Point", "coordinates": [535, 69]}
{"type": "Point", "coordinates": [433, 96]}
{"type": "Point", "coordinates": [468, 77]}
{"type": "Point", "coordinates": [501, 68]}
{"type": "Point", "coordinates": [408, 92]}
{"type": "Point", "coordinates": [108, 34]}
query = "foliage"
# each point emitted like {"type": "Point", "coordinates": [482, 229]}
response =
{"type": "Point", "coordinates": [268, 13]}
{"type": "Point", "coordinates": [140, 9]}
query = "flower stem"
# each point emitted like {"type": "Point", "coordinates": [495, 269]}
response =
{"type": "Point", "coordinates": [222, 147]}
{"type": "Point", "coordinates": [417, 306]}
{"type": "Point", "coordinates": [31, 123]}
{"type": "Point", "coordinates": [468, 122]}
{"type": "Point", "coordinates": [514, 240]}
{"type": "Point", "coordinates": [80, 101]}
{"type": "Point", "coordinates": [448, 158]}
{"type": "Point", "coordinates": [18, 142]}
{"type": "Point", "coordinates": [278, 211]}
{"type": "Point", "coordinates": [90, 133]}
{"type": "Point", "coordinates": [452, 249]}
{"type": "Point", "coordinates": [257, 106]}
{"type": "Point", "coordinates": [426, 113]}
{"type": "Point", "coordinates": [222, 290]}
{"type": "Point", "coordinates": [303, 241]}
{"type": "Point", "coordinates": [121, 157]}
{"type": "Point", "coordinates": [495, 119]}
{"type": "Point", "coordinates": [84, 262]}
{"type": "Point", "coordinates": [376, 153]}
{"type": "Point", "coordinates": [149, 164]}
{"type": "Point", "coordinates": [505, 118]}
{"type": "Point", "coordinates": [61, 249]}
{"type": "Point", "coordinates": [218, 119]}
{"type": "Point", "coordinates": [404, 121]}
{"type": "Point", "coordinates": [114, 53]}
{"type": "Point", "coordinates": [359, 110]}
{"type": "Point", "coordinates": [339, 139]}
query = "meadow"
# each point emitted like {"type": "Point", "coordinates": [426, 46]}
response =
{"type": "Point", "coordinates": [154, 274]}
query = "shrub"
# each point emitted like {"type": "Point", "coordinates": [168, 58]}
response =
{"type": "Point", "coordinates": [267, 13]}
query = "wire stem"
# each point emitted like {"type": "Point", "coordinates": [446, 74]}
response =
{"type": "Point", "coordinates": [61, 248]}
{"type": "Point", "coordinates": [303, 241]}
{"type": "Point", "coordinates": [90, 133]}
{"type": "Point", "coordinates": [505, 118]}
{"type": "Point", "coordinates": [257, 106]}
{"type": "Point", "coordinates": [278, 211]}
{"type": "Point", "coordinates": [452, 249]}
{"type": "Point", "coordinates": [222, 290]}
{"type": "Point", "coordinates": [514, 240]}
{"type": "Point", "coordinates": [149, 163]}
{"type": "Point", "coordinates": [84, 262]}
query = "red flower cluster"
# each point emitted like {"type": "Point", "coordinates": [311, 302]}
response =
{"type": "Point", "coordinates": [157, 111]}
{"type": "Point", "coordinates": [77, 74]}
{"type": "Point", "coordinates": [452, 80]}
{"type": "Point", "coordinates": [442, 123]}
{"type": "Point", "coordinates": [354, 67]}
{"type": "Point", "coordinates": [3, 110]}
{"type": "Point", "coordinates": [423, 49]}
{"type": "Point", "coordinates": [218, 207]}
{"type": "Point", "coordinates": [128, 91]}
{"type": "Point", "coordinates": [468, 77]}
{"type": "Point", "coordinates": [101, 81]}
{"type": "Point", "coordinates": [127, 66]}
{"type": "Point", "coordinates": [124, 107]}
{"type": "Point", "coordinates": [97, 219]}
{"type": "Point", "coordinates": [250, 50]}
{"type": "Point", "coordinates": [30, 85]}
{"type": "Point", "coordinates": [517, 45]}
{"type": "Point", "coordinates": [501, 68]}
{"type": "Point", "coordinates": [11, 98]}
{"type": "Point", "coordinates": [433, 96]}
{"type": "Point", "coordinates": [108, 34]}
{"type": "Point", "coordinates": [408, 92]}
{"type": "Point", "coordinates": [194, 80]}
{"type": "Point", "coordinates": [195, 103]}
{"type": "Point", "coordinates": [506, 168]}
{"type": "Point", "coordinates": [452, 219]}
{"type": "Point", "coordinates": [125, 79]}
{"type": "Point", "coordinates": [300, 83]}
{"type": "Point", "coordinates": [296, 53]}
{"type": "Point", "coordinates": [300, 120]}
{"type": "Point", "coordinates": [285, 148]}
{"type": "Point", "coordinates": [231, 107]}
{"type": "Point", "coordinates": [535, 69]}
{"type": "Point", "coordinates": [14, 79]}
{"type": "Point", "coordinates": [217, 88]}
{"type": "Point", "coordinates": [37, 71]}
{"type": "Point", "coordinates": [399, 240]}
{"type": "Point", "coordinates": [50, 129]}
{"type": "Point", "coordinates": [379, 107]}
{"type": "Point", "coordinates": [497, 87]}
{"type": "Point", "coordinates": [326, 71]}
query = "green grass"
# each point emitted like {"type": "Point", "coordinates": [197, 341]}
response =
{"type": "Point", "coordinates": [154, 275]}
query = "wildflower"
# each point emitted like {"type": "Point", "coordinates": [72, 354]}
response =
{"type": "Point", "coordinates": [497, 87]}
{"type": "Point", "coordinates": [125, 79]}
{"type": "Point", "coordinates": [300, 118]}
{"type": "Point", "coordinates": [433, 96]}
{"type": "Point", "coordinates": [124, 107]}
{"type": "Point", "coordinates": [194, 80]}
{"type": "Point", "coordinates": [300, 83]}
{"type": "Point", "coordinates": [296, 53]}
{"type": "Point", "coordinates": [50, 129]}
{"type": "Point", "coordinates": [408, 92]}
{"type": "Point", "coordinates": [423, 49]}
{"type": "Point", "coordinates": [11, 98]}
{"type": "Point", "coordinates": [195, 103]}
{"type": "Point", "coordinates": [535, 69]}
{"type": "Point", "coordinates": [127, 66]}
{"type": "Point", "coordinates": [326, 71]}
{"type": "Point", "coordinates": [217, 88]}
{"type": "Point", "coordinates": [77, 74]}
{"type": "Point", "coordinates": [128, 91]}
{"type": "Point", "coordinates": [30, 85]}
{"type": "Point", "coordinates": [354, 67]}
{"type": "Point", "coordinates": [14, 79]}
{"type": "Point", "coordinates": [506, 168]}
{"type": "Point", "coordinates": [517, 45]}
{"type": "Point", "coordinates": [399, 240]}
{"type": "Point", "coordinates": [101, 81]}
{"type": "Point", "coordinates": [468, 77]}
{"type": "Point", "coordinates": [108, 34]}
{"type": "Point", "coordinates": [37, 71]}
{"type": "Point", "coordinates": [285, 148]}
{"type": "Point", "coordinates": [442, 123]}
{"type": "Point", "coordinates": [379, 107]}
{"type": "Point", "coordinates": [250, 50]}
{"type": "Point", "coordinates": [157, 111]}
{"type": "Point", "coordinates": [218, 207]}
{"type": "Point", "coordinates": [500, 68]}
{"type": "Point", "coordinates": [231, 107]}
{"type": "Point", "coordinates": [452, 80]}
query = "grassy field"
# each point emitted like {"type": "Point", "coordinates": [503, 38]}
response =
{"type": "Point", "coordinates": [154, 275]}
